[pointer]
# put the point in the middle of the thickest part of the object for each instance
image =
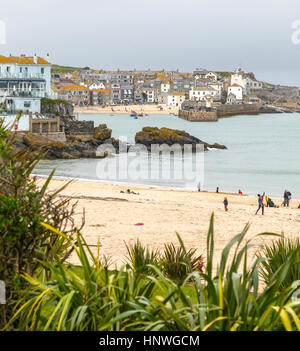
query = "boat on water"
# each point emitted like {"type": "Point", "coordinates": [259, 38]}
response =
{"type": "Point", "coordinates": [133, 114]}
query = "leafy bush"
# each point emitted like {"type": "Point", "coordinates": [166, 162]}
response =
{"type": "Point", "coordinates": [23, 206]}
{"type": "Point", "coordinates": [140, 257]}
{"type": "Point", "coordinates": [276, 255]}
{"type": "Point", "coordinates": [175, 261]}
{"type": "Point", "coordinates": [229, 298]}
{"type": "Point", "coordinates": [80, 299]}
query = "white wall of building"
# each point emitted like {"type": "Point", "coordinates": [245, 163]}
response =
{"type": "Point", "coordinates": [237, 91]}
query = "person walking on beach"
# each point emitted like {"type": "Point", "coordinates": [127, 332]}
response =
{"type": "Point", "coordinates": [261, 203]}
{"type": "Point", "coordinates": [286, 198]}
{"type": "Point", "coordinates": [199, 187]}
{"type": "Point", "coordinates": [226, 204]}
{"type": "Point", "coordinates": [217, 191]}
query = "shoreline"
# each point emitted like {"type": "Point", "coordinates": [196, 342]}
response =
{"type": "Point", "coordinates": [113, 216]}
{"type": "Point", "coordinates": [147, 187]}
{"type": "Point", "coordinates": [123, 109]}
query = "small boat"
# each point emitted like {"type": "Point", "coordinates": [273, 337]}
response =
{"type": "Point", "coordinates": [133, 114]}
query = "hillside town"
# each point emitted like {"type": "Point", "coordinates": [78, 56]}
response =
{"type": "Point", "coordinates": [25, 80]}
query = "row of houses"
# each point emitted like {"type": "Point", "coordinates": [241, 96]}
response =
{"type": "Point", "coordinates": [91, 87]}
{"type": "Point", "coordinates": [25, 80]}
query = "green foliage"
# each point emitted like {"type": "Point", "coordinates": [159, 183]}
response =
{"type": "Point", "coordinates": [227, 296]}
{"type": "Point", "coordinates": [23, 206]}
{"type": "Point", "coordinates": [276, 255]}
{"type": "Point", "coordinates": [86, 299]}
{"type": "Point", "coordinates": [140, 257]}
{"type": "Point", "coordinates": [54, 105]}
{"type": "Point", "coordinates": [56, 69]}
{"type": "Point", "coordinates": [175, 261]}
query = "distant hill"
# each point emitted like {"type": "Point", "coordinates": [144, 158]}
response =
{"type": "Point", "coordinates": [56, 69]}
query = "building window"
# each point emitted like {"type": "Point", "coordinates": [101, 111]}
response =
{"type": "Point", "coordinates": [43, 70]}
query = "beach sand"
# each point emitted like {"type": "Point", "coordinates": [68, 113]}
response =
{"type": "Point", "coordinates": [147, 109]}
{"type": "Point", "coordinates": [112, 217]}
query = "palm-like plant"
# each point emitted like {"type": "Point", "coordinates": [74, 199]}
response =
{"type": "Point", "coordinates": [228, 297]}
{"type": "Point", "coordinates": [276, 255]}
{"type": "Point", "coordinates": [141, 257]}
{"type": "Point", "coordinates": [175, 261]}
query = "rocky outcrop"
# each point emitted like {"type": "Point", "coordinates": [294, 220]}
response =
{"type": "Point", "coordinates": [56, 107]}
{"type": "Point", "coordinates": [102, 133]}
{"type": "Point", "coordinates": [73, 148]}
{"type": "Point", "coordinates": [150, 135]}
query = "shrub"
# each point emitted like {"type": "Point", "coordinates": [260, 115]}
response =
{"type": "Point", "coordinates": [140, 257]}
{"type": "Point", "coordinates": [227, 299]}
{"type": "Point", "coordinates": [175, 261]}
{"type": "Point", "coordinates": [276, 255]}
{"type": "Point", "coordinates": [23, 206]}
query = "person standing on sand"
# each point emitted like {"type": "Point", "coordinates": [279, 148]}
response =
{"type": "Point", "coordinates": [226, 204]}
{"type": "Point", "coordinates": [199, 187]}
{"type": "Point", "coordinates": [286, 197]}
{"type": "Point", "coordinates": [217, 191]}
{"type": "Point", "coordinates": [261, 203]}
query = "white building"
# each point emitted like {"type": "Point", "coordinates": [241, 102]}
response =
{"type": "Point", "coordinates": [165, 87]}
{"type": "Point", "coordinates": [211, 75]}
{"type": "Point", "coordinates": [24, 81]}
{"type": "Point", "coordinates": [176, 98]}
{"type": "Point", "coordinates": [236, 90]}
{"type": "Point", "coordinates": [201, 93]}
{"type": "Point", "coordinates": [218, 87]}
{"type": "Point", "coordinates": [96, 85]}
{"type": "Point", "coordinates": [239, 78]}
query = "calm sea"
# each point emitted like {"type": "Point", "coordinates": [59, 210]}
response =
{"type": "Point", "coordinates": [263, 152]}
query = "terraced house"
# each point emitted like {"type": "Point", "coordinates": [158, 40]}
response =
{"type": "Point", "coordinates": [75, 94]}
{"type": "Point", "coordinates": [23, 82]}
{"type": "Point", "coordinates": [100, 97]}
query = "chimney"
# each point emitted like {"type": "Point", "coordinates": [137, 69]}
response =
{"type": "Point", "coordinates": [35, 59]}
{"type": "Point", "coordinates": [48, 56]}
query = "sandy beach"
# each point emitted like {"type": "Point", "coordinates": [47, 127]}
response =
{"type": "Point", "coordinates": [147, 109]}
{"type": "Point", "coordinates": [112, 217]}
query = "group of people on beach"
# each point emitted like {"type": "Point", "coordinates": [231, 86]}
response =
{"type": "Point", "coordinates": [261, 200]}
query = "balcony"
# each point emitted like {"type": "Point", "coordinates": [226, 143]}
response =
{"type": "Point", "coordinates": [40, 93]}
{"type": "Point", "coordinates": [6, 75]}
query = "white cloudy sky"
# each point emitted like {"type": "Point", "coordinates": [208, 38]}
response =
{"type": "Point", "coordinates": [184, 34]}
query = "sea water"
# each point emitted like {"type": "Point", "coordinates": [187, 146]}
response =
{"type": "Point", "coordinates": [263, 152]}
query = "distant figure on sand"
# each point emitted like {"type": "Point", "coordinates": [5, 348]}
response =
{"type": "Point", "coordinates": [240, 192]}
{"type": "Point", "coordinates": [261, 203]}
{"type": "Point", "coordinates": [286, 198]}
{"type": "Point", "coordinates": [269, 201]}
{"type": "Point", "coordinates": [128, 191]}
{"type": "Point", "coordinates": [217, 191]}
{"type": "Point", "coordinates": [226, 204]}
{"type": "Point", "coordinates": [199, 187]}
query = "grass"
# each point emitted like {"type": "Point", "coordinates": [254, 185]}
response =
{"type": "Point", "coordinates": [56, 69]}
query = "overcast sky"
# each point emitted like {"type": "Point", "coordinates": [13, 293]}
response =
{"type": "Point", "coordinates": [170, 34]}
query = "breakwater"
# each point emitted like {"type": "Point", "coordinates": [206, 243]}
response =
{"type": "Point", "coordinates": [213, 114]}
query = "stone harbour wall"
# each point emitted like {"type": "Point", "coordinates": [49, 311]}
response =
{"type": "Point", "coordinates": [219, 112]}
{"type": "Point", "coordinates": [198, 116]}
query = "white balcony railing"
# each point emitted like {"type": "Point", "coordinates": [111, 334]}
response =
{"type": "Point", "coordinates": [6, 75]}
{"type": "Point", "coordinates": [21, 93]}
